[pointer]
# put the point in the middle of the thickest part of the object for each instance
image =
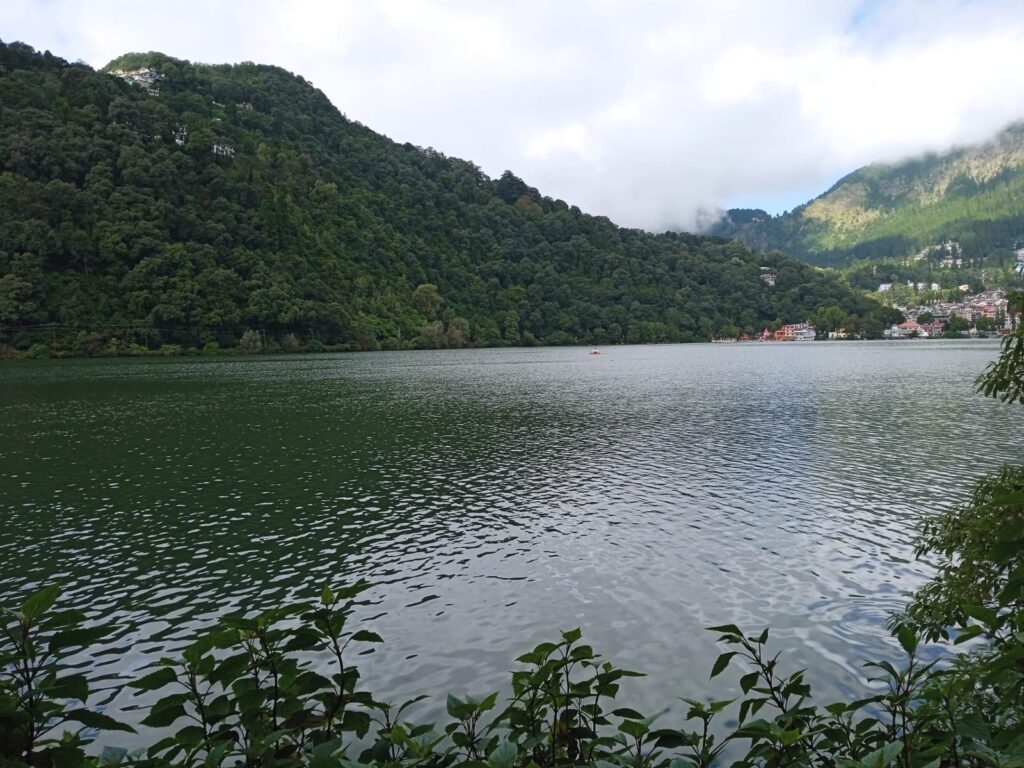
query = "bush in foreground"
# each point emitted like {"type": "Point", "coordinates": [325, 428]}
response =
{"type": "Point", "coordinates": [279, 689]}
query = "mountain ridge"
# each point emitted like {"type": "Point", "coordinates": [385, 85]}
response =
{"type": "Point", "coordinates": [973, 194]}
{"type": "Point", "coordinates": [192, 203]}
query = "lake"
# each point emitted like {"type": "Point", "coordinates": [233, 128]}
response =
{"type": "Point", "coordinates": [497, 496]}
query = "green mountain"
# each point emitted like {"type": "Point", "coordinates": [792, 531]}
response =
{"type": "Point", "coordinates": [165, 202]}
{"type": "Point", "coordinates": [972, 196]}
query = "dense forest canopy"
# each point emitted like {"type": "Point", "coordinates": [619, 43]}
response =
{"type": "Point", "coordinates": [973, 196]}
{"type": "Point", "coordinates": [196, 203]}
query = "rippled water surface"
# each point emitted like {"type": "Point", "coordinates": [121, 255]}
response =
{"type": "Point", "coordinates": [495, 496]}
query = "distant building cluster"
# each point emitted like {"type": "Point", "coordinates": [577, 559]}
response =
{"type": "Point", "coordinates": [223, 150]}
{"type": "Point", "coordinates": [886, 287]}
{"type": "Point", "coordinates": [990, 305]}
{"type": "Point", "coordinates": [145, 78]}
{"type": "Point", "coordinates": [953, 258]}
{"type": "Point", "coordinates": [795, 332]}
{"type": "Point", "coordinates": [910, 329]}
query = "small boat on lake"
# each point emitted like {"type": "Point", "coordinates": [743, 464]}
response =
{"type": "Point", "coordinates": [595, 351]}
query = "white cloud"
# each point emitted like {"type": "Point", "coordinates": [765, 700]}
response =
{"type": "Point", "coordinates": [643, 111]}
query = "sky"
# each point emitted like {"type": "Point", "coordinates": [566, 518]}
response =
{"type": "Point", "coordinates": [657, 114]}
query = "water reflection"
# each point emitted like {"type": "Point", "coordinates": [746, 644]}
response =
{"type": "Point", "coordinates": [496, 496]}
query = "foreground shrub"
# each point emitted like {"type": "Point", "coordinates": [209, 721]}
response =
{"type": "Point", "coordinates": [278, 689]}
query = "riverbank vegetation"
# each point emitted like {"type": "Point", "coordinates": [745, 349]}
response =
{"type": "Point", "coordinates": [280, 688]}
{"type": "Point", "coordinates": [178, 206]}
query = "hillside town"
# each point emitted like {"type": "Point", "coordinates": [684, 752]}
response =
{"type": "Point", "coordinates": [980, 314]}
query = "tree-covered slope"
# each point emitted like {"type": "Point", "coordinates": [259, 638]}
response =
{"type": "Point", "coordinates": [216, 199]}
{"type": "Point", "coordinates": [972, 195]}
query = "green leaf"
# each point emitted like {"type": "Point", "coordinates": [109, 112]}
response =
{"type": "Point", "coordinates": [968, 633]}
{"type": "Point", "coordinates": [40, 602]}
{"type": "Point", "coordinates": [908, 639]}
{"type": "Point", "coordinates": [627, 713]}
{"type": "Point", "coordinates": [717, 706]}
{"type": "Point", "coordinates": [69, 687]}
{"type": "Point", "coordinates": [356, 722]}
{"type": "Point", "coordinates": [365, 636]}
{"type": "Point", "coordinates": [986, 616]}
{"type": "Point", "coordinates": [97, 720]}
{"type": "Point", "coordinates": [65, 618]}
{"type": "Point", "coordinates": [673, 739]}
{"type": "Point", "coordinates": [303, 639]}
{"type": "Point", "coordinates": [163, 744]}
{"type": "Point", "coordinates": [326, 597]}
{"type": "Point", "coordinates": [240, 623]}
{"type": "Point", "coordinates": [572, 635]}
{"type": "Point", "coordinates": [582, 652]}
{"type": "Point", "coordinates": [215, 758]}
{"type": "Point", "coordinates": [881, 758]}
{"type": "Point", "coordinates": [166, 711]}
{"type": "Point", "coordinates": [73, 638]}
{"type": "Point", "coordinates": [727, 629]}
{"type": "Point", "coordinates": [745, 706]}
{"type": "Point", "coordinates": [457, 708]}
{"type": "Point", "coordinates": [721, 663]}
{"type": "Point", "coordinates": [889, 668]}
{"type": "Point", "coordinates": [406, 704]}
{"type": "Point", "coordinates": [504, 755]}
{"type": "Point", "coordinates": [230, 669]}
{"type": "Point", "coordinates": [309, 682]}
{"type": "Point", "coordinates": [347, 593]}
{"type": "Point", "coordinates": [194, 652]}
{"type": "Point", "coordinates": [635, 728]}
{"type": "Point", "coordinates": [488, 703]}
{"type": "Point", "coordinates": [190, 736]}
{"type": "Point", "coordinates": [790, 737]}
{"type": "Point", "coordinates": [748, 681]}
{"type": "Point", "coordinates": [112, 755]}
{"type": "Point", "coordinates": [155, 680]}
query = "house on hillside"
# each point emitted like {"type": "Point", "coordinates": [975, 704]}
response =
{"type": "Point", "coordinates": [146, 78]}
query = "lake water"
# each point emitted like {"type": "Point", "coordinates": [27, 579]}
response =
{"type": "Point", "coordinates": [497, 496]}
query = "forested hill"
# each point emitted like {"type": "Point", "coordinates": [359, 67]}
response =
{"type": "Point", "coordinates": [195, 202]}
{"type": "Point", "coordinates": [971, 195]}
